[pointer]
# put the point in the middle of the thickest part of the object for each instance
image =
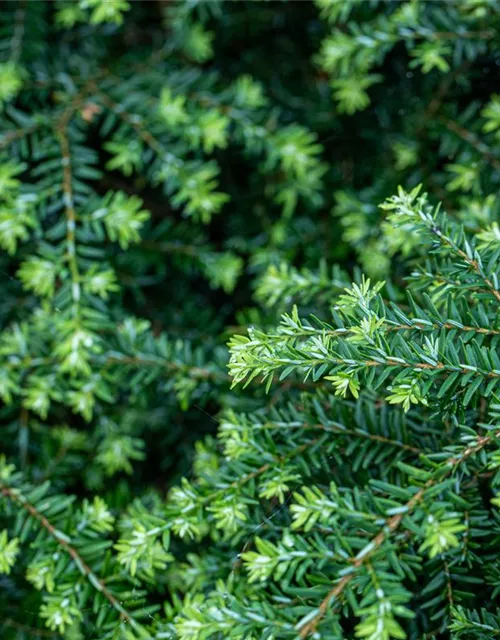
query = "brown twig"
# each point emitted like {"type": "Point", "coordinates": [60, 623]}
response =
{"type": "Point", "coordinates": [37, 633]}
{"type": "Point", "coordinates": [390, 526]}
{"type": "Point", "coordinates": [64, 543]}
{"type": "Point", "coordinates": [474, 142]}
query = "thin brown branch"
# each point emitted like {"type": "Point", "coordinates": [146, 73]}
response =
{"type": "Point", "coordinates": [62, 541]}
{"type": "Point", "coordinates": [70, 216]}
{"type": "Point", "coordinates": [340, 429]}
{"type": "Point", "coordinates": [22, 628]}
{"type": "Point", "coordinates": [390, 526]}
{"type": "Point", "coordinates": [18, 32]}
{"type": "Point", "coordinates": [474, 142]}
{"type": "Point", "coordinates": [473, 264]}
{"type": "Point", "coordinates": [444, 325]}
{"type": "Point", "coordinates": [269, 465]}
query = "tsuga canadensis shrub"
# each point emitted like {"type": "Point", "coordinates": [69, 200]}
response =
{"type": "Point", "coordinates": [249, 320]}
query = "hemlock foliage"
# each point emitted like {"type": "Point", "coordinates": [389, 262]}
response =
{"type": "Point", "coordinates": [215, 424]}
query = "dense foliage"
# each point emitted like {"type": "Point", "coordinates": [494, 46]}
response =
{"type": "Point", "coordinates": [179, 177]}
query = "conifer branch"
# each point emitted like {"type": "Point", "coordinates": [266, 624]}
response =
{"type": "Point", "coordinates": [134, 121]}
{"type": "Point", "coordinates": [22, 628]}
{"type": "Point", "coordinates": [70, 219]}
{"type": "Point", "coordinates": [474, 141]}
{"type": "Point", "coordinates": [64, 542]}
{"type": "Point", "coordinates": [342, 429]}
{"type": "Point", "coordinates": [11, 136]}
{"type": "Point", "coordinates": [391, 525]}
{"type": "Point", "coordinates": [19, 29]}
